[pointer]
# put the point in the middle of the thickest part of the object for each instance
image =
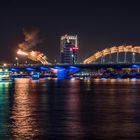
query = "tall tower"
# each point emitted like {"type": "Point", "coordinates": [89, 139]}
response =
{"type": "Point", "coordinates": [69, 49]}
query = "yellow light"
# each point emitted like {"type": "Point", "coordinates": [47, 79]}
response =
{"type": "Point", "coordinates": [16, 58]}
{"type": "Point", "coordinates": [33, 54]}
{"type": "Point", "coordinates": [4, 64]}
{"type": "Point", "coordinates": [114, 49]}
{"type": "Point", "coordinates": [20, 52]}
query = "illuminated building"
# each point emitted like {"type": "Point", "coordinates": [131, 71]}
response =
{"type": "Point", "coordinates": [69, 49]}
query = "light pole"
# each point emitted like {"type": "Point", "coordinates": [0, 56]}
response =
{"type": "Point", "coordinates": [17, 61]}
{"type": "Point", "coordinates": [72, 58]}
{"type": "Point", "coordinates": [125, 55]}
{"type": "Point", "coordinates": [117, 58]}
{"type": "Point", "coordinates": [133, 57]}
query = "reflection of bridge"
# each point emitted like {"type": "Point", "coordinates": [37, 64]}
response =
{"type": "Point", "coordinates": [109, 51]}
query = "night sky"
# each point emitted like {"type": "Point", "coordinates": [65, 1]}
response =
{"type": "Point", "coordinates": [98, 24]}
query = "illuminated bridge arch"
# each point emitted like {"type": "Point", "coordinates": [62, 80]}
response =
{"type": "Point", "coordinates": [109, 51]}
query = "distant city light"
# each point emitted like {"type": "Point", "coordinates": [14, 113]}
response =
{"type": "Point", "coordinates": [6, 70]}
{"type": "Point", "coordinates": [4, 64]}
{"type": "Point", "coordinates": [16, 58]}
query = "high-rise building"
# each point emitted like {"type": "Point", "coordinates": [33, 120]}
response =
{"type": "Point", "coordinates": [69, 49]}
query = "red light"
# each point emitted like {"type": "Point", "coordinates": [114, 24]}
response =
{"type": "Point", "coordinates": [75, 48]}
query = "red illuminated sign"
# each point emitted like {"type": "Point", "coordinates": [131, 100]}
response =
{"type": "Point", "coordinates": [74, 48]}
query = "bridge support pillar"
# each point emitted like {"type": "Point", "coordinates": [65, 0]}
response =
{"type": "Point", "coordinates": [63, 74]}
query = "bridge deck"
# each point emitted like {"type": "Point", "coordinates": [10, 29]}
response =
{"type": "Point", "coordinates": [95, 65]}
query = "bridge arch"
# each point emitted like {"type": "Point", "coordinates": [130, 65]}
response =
{"type": "Point", "coordinates": [108, 51]}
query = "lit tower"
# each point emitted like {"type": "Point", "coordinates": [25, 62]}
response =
{"type": "Point", "coordinates": [69, 49]}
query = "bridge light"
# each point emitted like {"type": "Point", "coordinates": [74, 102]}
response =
{"type": "Point", "coordinates": [135, 66]}
{"type": "Point", "coordinates": [14, 70]}
{"type": "Point", "coordinates": [30, 69]}
{"type": "Point", "coordinates": [43, 68]}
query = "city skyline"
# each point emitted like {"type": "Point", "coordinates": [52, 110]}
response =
{"type": "Point", "coordinates": [98, 25]}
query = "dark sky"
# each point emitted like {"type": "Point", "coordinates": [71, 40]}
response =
{"type": "Point", "coordinates": [98, 24]}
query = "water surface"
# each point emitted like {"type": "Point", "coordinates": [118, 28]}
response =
{"type": "Point", "coordinates": [70, 109]}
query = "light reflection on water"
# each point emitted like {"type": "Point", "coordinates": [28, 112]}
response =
{"type": "Point", "coordinates": [70, 109]}
{"type": "Point", "coordinates": [24, 124]}
{"type": "Point", "coordinates": [4, 109]}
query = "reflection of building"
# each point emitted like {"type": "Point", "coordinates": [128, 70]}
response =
{"type": "Point", "coordinates": [69, 49]}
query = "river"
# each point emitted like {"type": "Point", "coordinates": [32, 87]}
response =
{"type": "Point", "coordinates": [70, 109]}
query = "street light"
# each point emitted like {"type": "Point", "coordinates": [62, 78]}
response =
{"type": "Point", "coordinates": [17, 62]}
{"type": "Point", "coordinates": [133, 57]}
{"type": "Point", "coordinates": [72, 58]}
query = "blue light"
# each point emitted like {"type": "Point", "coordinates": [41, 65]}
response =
{"type": "Point", "coordinates": [62, 74]}
{"type": "Point", "coordinates": [135, 66]}
{"type": "Point", "coordinates": [57, 67]}
{"type": "Point", "coordinates": [43, 68]}
{"type": "Point", "coordinates": [73, 69]}
{"type": "Point", "coordinates": [14, 70]}
{"type": "Point", "coordinates": [103, 79]}
{"type": "Point", "coordinates": [35, 75]}
{"type": "Point", "coordinates": [29, 69]}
